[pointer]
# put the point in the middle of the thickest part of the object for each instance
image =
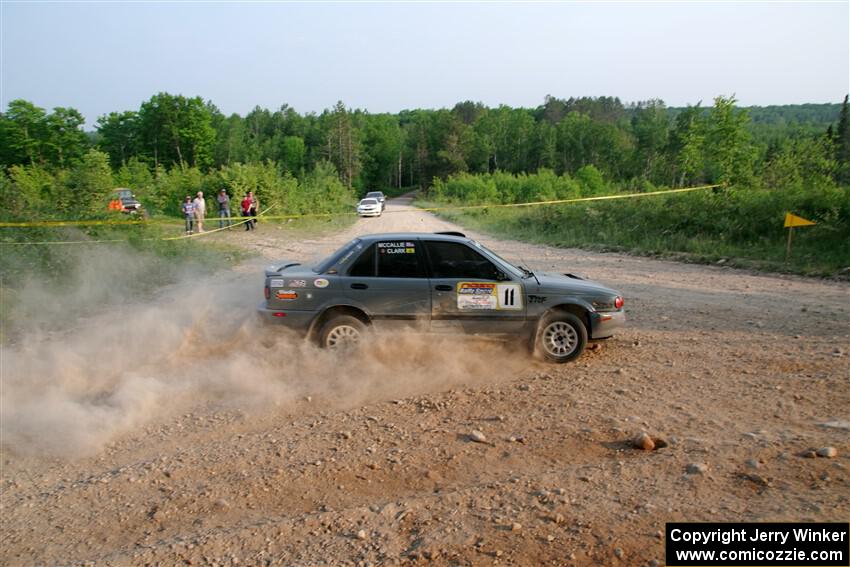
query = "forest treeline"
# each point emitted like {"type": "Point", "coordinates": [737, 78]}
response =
{"type": "Point", "coordinates": [174, 144]}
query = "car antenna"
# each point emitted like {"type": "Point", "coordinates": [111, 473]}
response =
{"type": "Point", "coordinates": [527, 267]}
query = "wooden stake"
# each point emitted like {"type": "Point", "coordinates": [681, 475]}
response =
{"type": "Point", "coordinates": [788, 245]}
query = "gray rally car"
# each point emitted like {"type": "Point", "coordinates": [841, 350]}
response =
{"type": "Point", "coordinates": [438, 283]}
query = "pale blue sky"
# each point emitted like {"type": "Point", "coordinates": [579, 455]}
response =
{"type": "Point", "coordinates": [104, 56]}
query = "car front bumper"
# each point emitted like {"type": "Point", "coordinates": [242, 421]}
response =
{"type": "Point", "coordinates": [603, 325]}
{"type": "Point", "coordinates": [370, 213]}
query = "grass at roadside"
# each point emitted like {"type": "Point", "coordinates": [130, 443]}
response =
{"type": "Point", "coordinates": [676, 228]}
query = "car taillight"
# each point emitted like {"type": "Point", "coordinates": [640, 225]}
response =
{"type": "Point", "coordinates": [279, 314]}
{"type": "Point", "coordinates": [618, 302]}
{"type": "Point", "coordinates": [267, 292]}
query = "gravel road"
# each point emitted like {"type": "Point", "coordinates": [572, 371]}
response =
{"type": "Point", "coordinates": [197, 443]}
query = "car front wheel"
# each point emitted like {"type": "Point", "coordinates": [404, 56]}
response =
{"type": "Point", "coordinates": [342, 333]}
{"type": "Point", "coordinates": [561, 337]}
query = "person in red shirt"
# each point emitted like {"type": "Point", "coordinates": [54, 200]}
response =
{"type": "Point", "coordinates": [247, 208]}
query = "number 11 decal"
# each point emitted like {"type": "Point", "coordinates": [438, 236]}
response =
{"type": "Point", "coordinates": [510, 296]}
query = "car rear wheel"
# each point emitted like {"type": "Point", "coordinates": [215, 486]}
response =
{"type": "Point", "coordinates": [561, 337]}
{"type": "Point", "coordinates": [343, 332]}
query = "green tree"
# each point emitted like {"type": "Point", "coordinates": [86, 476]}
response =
{"type": "Point", "coordinates": [230, 140]}
{"type": "Point", "coordinates": [120, 134]}
{"type": "Point", "coordinates": [293, 154]}
{"type": "Point", "coordinates": [842, 143]}
{"type": "Point", "coordinates": [382, 150]}
{"type": "Point", "coordinates": [687, 145]}
{"type": "Point", "coordinates": [343, 144]}
{"type": "Point", "coordinates": [65, 141]}
{"type": "Point", "coordinates": [177, 130]}
{"type": "Point", "coordinates": [650, 127]}
{"type": "Point", "coordinates": [728, 151]}
{"type": "Point", "coordinates": [90, 185]}
{"type": "Point", "coordinates": [137, 176]}
{"type": "Point", "coordinates": [24, 133]}
{"type": "Point", "coordinates": [32, 192]}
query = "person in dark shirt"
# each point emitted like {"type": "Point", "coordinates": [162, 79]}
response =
{"type": "Point", "coordinates": [223, 209]}
{"type": "Point", "coordinates": [188, 209]}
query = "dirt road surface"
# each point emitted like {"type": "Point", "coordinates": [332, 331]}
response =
{"type": "Point", "coordinates": [177, 436]}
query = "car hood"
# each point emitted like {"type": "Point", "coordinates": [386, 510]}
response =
{"type": "Point", "coordinates": [559, 283]}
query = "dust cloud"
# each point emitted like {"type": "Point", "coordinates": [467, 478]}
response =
{"type": "Point", "coordinates": [74, 379]}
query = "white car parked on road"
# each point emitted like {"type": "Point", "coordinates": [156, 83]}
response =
{"type": "Point", "coordinates": [369, 208]}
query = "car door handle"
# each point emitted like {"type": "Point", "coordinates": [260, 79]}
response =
{"type": "Point", "coordinates": [443, 287]}
{"type": "Point", "coordinates": [359, 286]}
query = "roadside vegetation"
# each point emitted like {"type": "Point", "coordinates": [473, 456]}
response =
{"type": "Point", "coordinates": [769, 160]}
{"type": "Point", "coordinates": [739, 223]}
{"type": "Point", "coordinates": [741, 228]}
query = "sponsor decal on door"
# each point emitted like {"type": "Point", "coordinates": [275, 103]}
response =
{"type": "Point", "coordinates": [484, 296]}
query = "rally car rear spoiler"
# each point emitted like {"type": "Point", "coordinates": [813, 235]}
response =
{"type": "Point", "coordinates": [276, 268]}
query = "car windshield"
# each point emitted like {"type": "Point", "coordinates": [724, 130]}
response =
{"type": "Point", "coordinates": [368, 202]}
{"type": "Point", "coordinates": [340, 255]}
{"type": "Point", "coordinates": [516, 271]}
{"type": "Point", "coordinates": [375, 194]}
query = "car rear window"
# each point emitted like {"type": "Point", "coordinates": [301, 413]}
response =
{"type": "Point", "coordinates": [343, 253]}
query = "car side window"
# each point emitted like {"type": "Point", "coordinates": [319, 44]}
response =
{"type": "Point", "coordinates": [364, 266]}
{"type": "Point", "coordinates": [400, 259]}
{"type": "Point", "coordinates": [456, 260]}
{"type": "Point", "coordinates": [394, 259]}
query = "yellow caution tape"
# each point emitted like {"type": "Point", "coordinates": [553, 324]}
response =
{"type": "Point", "coordinates": [180, 237]}
{"type": "Point", "coordinates": [496, 206]}
{"type": "Point", "coordinates": [307, 215]}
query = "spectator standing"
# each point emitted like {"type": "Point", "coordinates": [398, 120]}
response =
{"type": "Point", "coordinates": [255, 207]}
{"type": "Point", "coordinates": [223, 209]}
{"type": "Point", "coordinates": [200, 210]}
{"type": "Point", "coordinates": [246, 211]}
{"type": "Point", "coordinates": [189, 213]}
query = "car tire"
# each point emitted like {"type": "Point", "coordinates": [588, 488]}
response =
{"type": "Point", "coordinates": [561, 337]}
{"type": "Point", "coordinates": [342, 332]}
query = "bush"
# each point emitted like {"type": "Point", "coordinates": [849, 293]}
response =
{"type": "Point", "coordinates": [736, 222]}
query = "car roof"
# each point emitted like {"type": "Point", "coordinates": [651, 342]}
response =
{"type": "Point", "coordinates": [413, 235]}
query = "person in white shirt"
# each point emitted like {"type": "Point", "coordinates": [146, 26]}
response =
{"type": "Point", "coordinates": [200, 210]}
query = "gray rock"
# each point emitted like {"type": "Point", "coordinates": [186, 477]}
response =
{"type": "Point", "coordinates": [827, 452]}
{"type": "Point", "coordinates": [843, 425]}
{"type": "Point", "coordinates": [477, 436]}
{"type": "Point", "coordinates": [696, 468]}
